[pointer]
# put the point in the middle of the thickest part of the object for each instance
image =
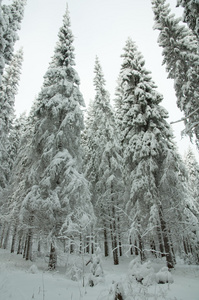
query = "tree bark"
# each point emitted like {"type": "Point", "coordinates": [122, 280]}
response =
{"type": "Point", "coordinates": [53, 258]}
{"type": "Point", "coordinates": [106, 250]}
{"type": "Point", "coordinates": [5, 243]}
{"type": "Point", "coordinates": [169, 257]}
{"type": "Point", "coordinates": [14, 239]}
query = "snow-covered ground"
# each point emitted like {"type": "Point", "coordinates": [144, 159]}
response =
{"type": "Point", "coordinates": [25, 280]}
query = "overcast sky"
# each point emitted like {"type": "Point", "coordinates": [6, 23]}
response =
{"type": "Point", "coordinates": [100, 27]}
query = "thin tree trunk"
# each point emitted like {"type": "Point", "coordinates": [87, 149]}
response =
{"type": "Point", "coordinates": [29, 239]}
{"type": "Point", "coordinates": [14, 239]}
{"type": "Point", "coordinates": [141, 249]}
{"type": "Point", "coordinates": [136, 248]}
{"type": "Point", "coordinates": [169, 257]}
{"type": "Point", "coordinates": [106, 251]}
{"type": "Point", "coordinates": [2, 235]}
{"type": "Point", "coordinates": [71, 245]}
{"type": "Point", "coordinates": [25, 246]}
{"type": "Point", "coordinates": [131, 247]}
{"type": "Point", "coordinates": [5, 243]}
{"type": "Point", "coordinates": [19, 249]}
{"type": "Point", "coordinates": [119, 237]}
{"type": "Point", "coordinates": [53, 258]}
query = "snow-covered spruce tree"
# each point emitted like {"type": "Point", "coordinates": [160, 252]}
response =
{"type": "Point", "coordinates": [8, 91]}
{"type": "Point", "coordinates": [148, 150]}
{"type": "Point", "coordinates": [103, 163]}
{"type": "Point", "coordinates": [8, 143]}
{"type": "Point", "coordinates": [191, 14]}
{"type": "Point", "coordinates": [191, 240]}
{"type": "Point", "coordinates": [10, 20]}
{"type": "Point", "coordinates": [59, 192]}
{"type": "Point", "coordinates": [181, 59]}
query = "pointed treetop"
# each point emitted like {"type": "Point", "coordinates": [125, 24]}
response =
{"type": "Point", "coordinates": [99, 81]}
{"type": "Point", "coordinates": [64, 50]}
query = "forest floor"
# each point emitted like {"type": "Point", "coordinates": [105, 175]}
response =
{"type": "Point", "coordinates": [25, 280]}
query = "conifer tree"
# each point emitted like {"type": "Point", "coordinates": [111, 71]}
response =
{"type": "Point", "coordinates": [191, 14]}
{"type": "Point", "coordinates": [8, 91]}
{"type": "Point", "coordinates": [59, 193]}
{"type": "Point", "coordinates": [181, 57]}
{"type": "Point", "coordinates": [148, 148]}
{"type": "Point", "coordinates": [10, 19]}
{"type": "Point", "coordinates": [103, 163]}
{"type": "Point", "coordinates": [191, 240]}
{"type": "Point", "coordinates": [8, 141]}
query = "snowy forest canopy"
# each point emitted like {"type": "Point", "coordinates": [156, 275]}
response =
{"type": "Point", "coordinates": [113, 178]}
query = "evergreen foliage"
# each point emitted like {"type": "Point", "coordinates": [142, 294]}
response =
{"type": "Point", "coordinates": [103, 162]}
{"type": "Point", "coordinates": [10, 20]}
{"type": "Point", "coordinates": [148, 147]}
{"type": "Point", "coordinates": [191, 14]}
{"type": "Point", "coordinates": [180, 54]}
{"type": "Point", "coordinates": [58, 192]}
{"type": "Point", "coordinates": [8, 91]}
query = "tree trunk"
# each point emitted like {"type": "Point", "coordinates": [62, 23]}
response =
{"type": "Point", "coordinates": [5, 243]}
{"type": "Point", "coordinates": [131, 247]}
{"type": "Point", "coordinates": [71, 245]}
{"type": "Point", "coordinates": [161, 243]}
{"type": "Point", "coordinates": [114, 243]}
{"type": "Point", "coordinates": [141, 249]}
{"type": "Point", "coordinates": [19, 249]}
{"type": "Point", "coordinates": [106, 252]}
{"type": "Point", "coordinates": [2, 235]}
{"type": "Point", "coordinates": [119, 237]}
{"type": "Point", "coordinates": [136, 248]}
{"type": "Point", "coordinates": [169, 257]}
{"type": "Point", "coordinates": [29, 239]}
{"type": "Point", "coordinates": [14, 239]}
{"type": "Point", "coordinates": [53, 258]}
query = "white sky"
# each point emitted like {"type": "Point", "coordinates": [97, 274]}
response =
{"type": "Point", "coordinates": [100, 27]}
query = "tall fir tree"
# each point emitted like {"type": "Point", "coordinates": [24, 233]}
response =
{"type": "Point", "coordinates": [191, 208]}
{"type": "Point", "coordinates": [181, 58]}
{"type": "Point", "coordinates": [103, 164]}
{"type": "Point", "coordinates": [8, 141]}
{"type": "Point", "coordinates": [59, 194]}
{"type": "Point", "coordinates": [191, 14]}
{"type": "Point", "coordinates": [148, 149]}
{"type": "Point", "coordinates": [8, 91]}
{"type": "Point", "coordinates": [10, 20]}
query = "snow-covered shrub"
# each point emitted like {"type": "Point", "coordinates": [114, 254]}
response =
{"type": "Point", "coordinates": [75, 273]}
{"type": "Point", "coordinates": [143, 273]}
{"type": "Point", "coordinates": [164, 276]}
{"type": "Point", "coordinates": [33, 269]}
{"type": "Point", "coordinates": [96, 270]}
{"type": "Point", "coordinates": [117, 291]}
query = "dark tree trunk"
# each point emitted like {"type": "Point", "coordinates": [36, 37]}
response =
{"type": "Point", "coordinates": [14, 239]}
{"type": "Point", "coordinates": [29, 239]}
{"type": "Point", "coordinates": [131, 247]}
{"type": "Point", "coordinates": [87, 244]}
{"type": "Point", "coordinates": [169, 256]}
{"type": "Point", "coordinates": [119, 237]}
{"type": "Point", "coordinates": [106, 252]}
{"type": "Point", "coordinates": [136, 248]}
{"type": "Point", "coordinates": [53, 258]}
{"type": "Point", "coordinates": [25, 247]}
{"type": "Point", "coordinates": [19, 249]}
{"type": "Point", "coordinates": [161, 243]}
{"type": "Point", "coordinates": [141, 249]}
{"type": "Point", "coordinates": [114, 243]}
{"type": "Point", "coordinates": [153, 248]}
{"type": "Point", "coordinates": [28, 255]}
